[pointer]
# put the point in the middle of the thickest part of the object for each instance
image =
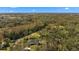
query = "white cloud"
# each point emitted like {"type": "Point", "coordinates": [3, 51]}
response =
{"type": "Point", "coordinates": [13, 7]}
{"type": "Point", "coordinates": [66, 8]}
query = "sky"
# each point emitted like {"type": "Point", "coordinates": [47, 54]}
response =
{"type": "Point", "coordinates": [39, 9]}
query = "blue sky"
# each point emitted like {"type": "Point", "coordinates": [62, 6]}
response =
{"type": "Point", "coordinates": [39, 9]}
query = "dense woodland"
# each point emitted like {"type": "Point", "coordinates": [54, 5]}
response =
{"type": "Point", "coordinates": [39, 32]}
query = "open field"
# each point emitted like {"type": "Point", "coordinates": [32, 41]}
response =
{"type": "Point", "coordinates": [39, 32]}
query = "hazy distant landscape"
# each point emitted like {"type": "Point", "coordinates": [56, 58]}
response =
{"type": "Point", "coordinates": [39, 32]}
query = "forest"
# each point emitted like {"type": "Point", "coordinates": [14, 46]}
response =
{"type": "Point", "coordinates": [39, 32]}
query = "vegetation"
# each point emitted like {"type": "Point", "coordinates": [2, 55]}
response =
{"type": "Point", "coordinates": [39, 32]}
